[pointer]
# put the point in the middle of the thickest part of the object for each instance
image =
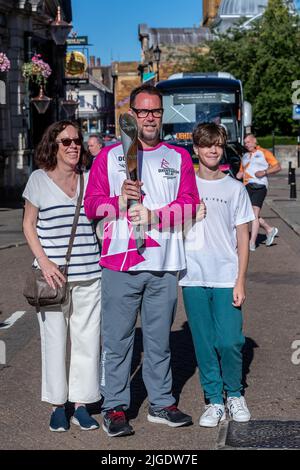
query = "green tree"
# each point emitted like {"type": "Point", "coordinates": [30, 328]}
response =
{"type": "Point", "coordinates": [266, 58]}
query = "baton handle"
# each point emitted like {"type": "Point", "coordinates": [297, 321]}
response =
{"type": "Point", "coordinates": [138, 230]}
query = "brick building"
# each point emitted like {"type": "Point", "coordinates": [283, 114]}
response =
{"type": "Point", "coordinates": [174, 44]}
{"type": "Point", "coordinates": [126, 76]}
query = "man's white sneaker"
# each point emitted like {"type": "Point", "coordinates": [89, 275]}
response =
{"type": "Point", "coordinates": [212, 416]}
{"type": "Point", "coordinates": [271, 236]}
{"type": "Point", "coordinates": [238, 410]}
{"type": "Point", "coordinates": [252, 246]}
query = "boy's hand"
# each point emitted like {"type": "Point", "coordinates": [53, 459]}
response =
{"type": "Point", "coordinates": [201, 212]}
{"type": "Point", "coordinates": [239, 294]}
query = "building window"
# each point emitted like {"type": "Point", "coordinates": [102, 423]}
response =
{"type": "Point", "coordinates": [94, 125]}
{"type": "Point", "coordinates": [82, 101]}
{"type": "Point", "coordinates": [95, 101]}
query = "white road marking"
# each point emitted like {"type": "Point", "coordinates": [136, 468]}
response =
{"type": "Point", "coordinates": [11, 320]}
{"type": "Point", "coordinates": [2, 353]}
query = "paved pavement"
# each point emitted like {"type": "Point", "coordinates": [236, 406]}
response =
{"type": "Point", "coordinates": [271, 327]}
{"type": "Point", "coordinates": [279, 199]}
{"type": "Point", "coordinates": [11, 228]}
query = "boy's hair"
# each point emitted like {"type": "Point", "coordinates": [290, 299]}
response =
{"type": "Point", "coordinates": [208, 134]}
{"type": "Point", "coordinates": [149, 89]}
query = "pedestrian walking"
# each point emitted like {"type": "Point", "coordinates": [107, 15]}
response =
{"type": "Point", "coordinates": [217, 251]}
{"type": "Point", "coordinates": [256, 165]}
{"type": "Point", "coordinates": [145, 280]}
{"type": "Point", "coordinates": [51, 198]}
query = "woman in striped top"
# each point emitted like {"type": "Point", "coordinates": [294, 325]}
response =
{"type": "Point", "coordinates": [50, 203]}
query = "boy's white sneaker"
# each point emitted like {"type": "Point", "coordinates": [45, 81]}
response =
{"type": "Point", "coordinates": [252, 246]}
{"type": "Point", "coordinates": [212, 415]}
{"type": "Point", "coordinates": [238, 410]}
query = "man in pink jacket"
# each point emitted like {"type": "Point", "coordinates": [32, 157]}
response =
{"type": "Point", "coordinates": [144, 280]}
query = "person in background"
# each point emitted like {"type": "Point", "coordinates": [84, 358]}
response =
{"type": "Point", "coordinates": [94, 145]}
{"type": "Point", "coordinates": [213, 284]}
{"type": "Point", "coordinates": [256, 165]}
{"type": "Point", "coordinates": [51, 198]}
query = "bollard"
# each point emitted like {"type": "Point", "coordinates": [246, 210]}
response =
{"type": "Point", "coordinates": [289, 172]}
{"type": "Point", "coordinates": [293, 190]}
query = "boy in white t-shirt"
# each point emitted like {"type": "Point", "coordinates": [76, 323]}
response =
{"type": "Point", "coordinates": [217, 252]}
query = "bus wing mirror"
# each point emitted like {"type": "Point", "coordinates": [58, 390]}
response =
{"type": "Point", "coordinates": [247, 112]}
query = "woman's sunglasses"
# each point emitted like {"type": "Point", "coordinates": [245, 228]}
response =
{"type": "Point", "coordinates": [68, 142]}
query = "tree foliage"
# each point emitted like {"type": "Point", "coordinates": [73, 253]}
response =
{"type": "Point", "coordinates": [267, 60]}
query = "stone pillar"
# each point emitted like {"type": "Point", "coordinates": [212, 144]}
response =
{"type": "Point", "coordinates": [14, 140]}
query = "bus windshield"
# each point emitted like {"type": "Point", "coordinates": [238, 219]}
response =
{"type": "Point", "coordinates": [184, 108]}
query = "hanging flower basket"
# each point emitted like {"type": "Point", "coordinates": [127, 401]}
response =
{"type": "Point", "coordinates": [4, 62]}
{"type": "Point", "coordinates": [36, 70]}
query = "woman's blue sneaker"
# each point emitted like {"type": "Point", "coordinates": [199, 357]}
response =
{"type": "Point", "coordinates": [84, 420]}
{"type": "Point", "coordinates": [58, 420]}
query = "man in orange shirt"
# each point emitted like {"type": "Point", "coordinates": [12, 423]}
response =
{"type": "Point", "coordinates": [256, 165]}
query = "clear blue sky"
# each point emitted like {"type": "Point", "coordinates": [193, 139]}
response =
{"type": "Point", "coordinates": [112, 25]}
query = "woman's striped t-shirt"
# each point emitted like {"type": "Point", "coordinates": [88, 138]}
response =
{"type": "Point", "coordinates": [54, 225]}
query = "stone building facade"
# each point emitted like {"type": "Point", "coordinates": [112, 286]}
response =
{"type": "Point", "coordinates": [96, 108]}
{"type": "Point", "coordinates": [174, 44]}
{"type": "Point", "coordinates": [209, 11]}
{"type": "Point", "coordinates": [96, 101]}
{"type": "Point", "coordinates": [24, 30]}
{"type": "Point", "coordinates": [125, 77]}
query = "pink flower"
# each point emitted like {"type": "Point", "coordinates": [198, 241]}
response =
{"type": "Point", "coordinates": [4, 63]}
{"type": "Point", "coordinates": [37, 70]}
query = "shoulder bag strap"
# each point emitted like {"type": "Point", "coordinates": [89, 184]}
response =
{"type": "Point", "coordinates": [76, 217]}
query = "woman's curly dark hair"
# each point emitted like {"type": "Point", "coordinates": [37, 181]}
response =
{"type": "Point", "coordinates": [46, 151]}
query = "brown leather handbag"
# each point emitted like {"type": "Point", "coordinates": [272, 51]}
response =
{"type": "Point", "coordinates": [37, 290]}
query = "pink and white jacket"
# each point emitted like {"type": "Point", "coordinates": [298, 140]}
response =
{"type": "Point", "coordinates": [169, 189]}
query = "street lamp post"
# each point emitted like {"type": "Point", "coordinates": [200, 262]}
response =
{"type": "Point", "coordinates": [60, 29]}
{"type": "Point", "coordinates": [69, 105]}
{"type": "Point", "coordinates": [157, 54]}
{"type": "Point", "coordinates": [141, 68]}
{"type": "Point", "coordinates": [41, 101]}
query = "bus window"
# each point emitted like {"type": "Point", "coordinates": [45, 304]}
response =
{"type": "Point", "coordinates": [183, 110]}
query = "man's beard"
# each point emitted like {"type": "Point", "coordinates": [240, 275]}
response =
{"type": "Point", "coordinates": [155, 137]}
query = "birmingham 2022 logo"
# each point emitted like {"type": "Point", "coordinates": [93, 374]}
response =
{"type": "Point", "coordinates": [168, 172]}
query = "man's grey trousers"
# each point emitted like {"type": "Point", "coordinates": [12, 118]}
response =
{"type": "Point", "coordinates": [124, 294]}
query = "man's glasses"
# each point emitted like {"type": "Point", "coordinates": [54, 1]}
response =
{"type": "Point", "coordinates": [67, 142]}
{"type": "Point", "coordinates": [143, 113]}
